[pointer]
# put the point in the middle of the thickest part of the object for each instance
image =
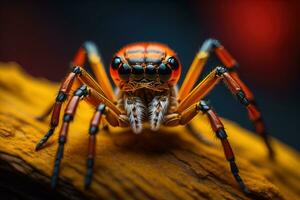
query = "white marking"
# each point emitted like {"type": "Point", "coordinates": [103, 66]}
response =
{"type": "Point", "coordinates": [135, 110]}
{"type": "Point", "coordinates": [157, 110]}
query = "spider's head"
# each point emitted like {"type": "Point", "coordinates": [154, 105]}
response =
{"type": "Point", "coordinates": [145, 65]}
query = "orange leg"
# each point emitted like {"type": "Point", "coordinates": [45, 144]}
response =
{"type": "Point", "coordinates": [204, 87]}
{"type": "Point", "coordinates": [68, 117]}
{"type": "Point", "coordinates": [89, 51]}
{"type": "Point", "coordinates": [80, 75]}
{"type": "Point", "coordinates": [184, 117]}
{"type": "Point", "coordinates": [208, 47]}
{"type": "Point", "coordinates": [93, 130]}
{"type": "Point", "coordinates": [219, 130]}
{"type": "Point", "coordinates": [93, 98]}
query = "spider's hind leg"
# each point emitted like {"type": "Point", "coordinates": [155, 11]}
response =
{"type": "Point", "coordinates": [184, 117]}
{"type": "Point", "coordinates": [221, 134]}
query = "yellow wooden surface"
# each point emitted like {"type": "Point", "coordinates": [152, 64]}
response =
{"type": "Point", "coordinates": [168, 164]}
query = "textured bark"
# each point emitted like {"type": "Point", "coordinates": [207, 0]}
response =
{"type": "Point", "coordinates": [168, 164]}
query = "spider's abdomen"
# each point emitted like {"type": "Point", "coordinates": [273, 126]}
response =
{"type": "Point", "coordinates": [145, 64]}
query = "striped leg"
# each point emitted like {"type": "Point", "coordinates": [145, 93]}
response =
{"type": "Point", "coordinates": [93, 98]}
{"type": "Point", "coordinates": [185, 116]}
{"type": "Point", "coordinates": [89, 51]}
{"type": "Point", "coordinates": [208, 47]}
{"type": "Point", "coordinates": [68, 117]}
{"type": "Point", "coordinates": [214, 46]}
{"type": "Point", "coordinates": [80, 75]}
{"type": "Point", "coordinates": [62, 95]}
{"type": "Point", "coordinates": [219, 130]}
{"type": "Point", "coordinates": [204, 87]}
{"type": "Point", "coordinates": [93, 130]}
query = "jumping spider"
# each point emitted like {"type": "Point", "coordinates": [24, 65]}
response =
{"type": "Point", "coordinates": [146, 75]}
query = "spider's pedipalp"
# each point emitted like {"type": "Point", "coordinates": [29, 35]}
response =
{"type": "Point", "coordinates": [136, 111]}
{"type": "Point", "coordinates": [157, 110]}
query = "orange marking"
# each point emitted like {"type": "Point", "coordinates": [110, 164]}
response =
{"type": "Point", "coordinates": [192, 75]}
{"type": "Point", "coordinates": [232, 84]}
{"type": "Point", "coordinates": [55, 114]}
{"type": "Point", "coordinates": [216, 123]}
{"type": "Point", "coordinates": [254, 114]}
{"type": "Point", "coordinates": [79, 57]}
{"type": "Point", "coordinates": [71, 108]}
{"type": "Point", "coordinates": [227, 149]}
{"type": "Point", "coordinates": [225, 57]}
{"type": "Point", "coordinates": [64, 129]}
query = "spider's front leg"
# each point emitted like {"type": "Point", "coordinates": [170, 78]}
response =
{"type": "Point", "coordinates": [78, 75]}
{"type": "Point", "coordinates": [184, 117]}
{"type": "Point", "coordinates": [112, 116]}
{"type": "Point", "coordinates": [205, 86]}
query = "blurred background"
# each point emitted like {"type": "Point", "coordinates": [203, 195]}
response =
{"type": "Point", "coordinates": [263, 36]}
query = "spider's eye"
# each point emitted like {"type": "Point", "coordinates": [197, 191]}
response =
{"type": "Point", "coordinates": [150, 72]}
{"type": "Point", "coordinates": [164, 72]}
{"type": "Point", "coordinates": [137, 72]}
{"type": "Point", "coordinates": [173, 63]}
{"type": "Point", "coordinates": [124, 72]}
{"type": "Point", "coordinates": [116, 62]}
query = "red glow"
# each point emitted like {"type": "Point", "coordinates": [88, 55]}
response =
{"type": "Point", "coordinates": [260, 24]}
{"type": "Point", "coordinates": [258, 34]}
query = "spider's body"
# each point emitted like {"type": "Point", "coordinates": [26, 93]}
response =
{"type": "Point", "coordinates": [146, 75]}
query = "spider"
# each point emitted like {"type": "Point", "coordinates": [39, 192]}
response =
{"type": "Point", "coordinates": [146, 74]}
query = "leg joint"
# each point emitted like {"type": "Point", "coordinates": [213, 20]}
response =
{"type": "Point", "coordinates": [77, 70]}
{"type": "Point", "coordinates": [220, 70]}
{"type": "Point", "coordinates": [221, 134]}
{"type": "Point", "coordinates": [203, 106]}
{"type": "Point", "coordinates": [101, 108]}
{"type": "Point", "coordinates": [90, 47]}
{"type": "Point", "coordinates": [68, 117]}
{"type": "Point", "coordinates": [93, 130]}
{"type": "Point", "coordinates": [233, 167]}
{"type": "Point", "coordinates": [81, 91]}
{"type": "Point", "coordinates": [90, 163]}
{"type": "Point", "coordinates": [242, 98]}
{"type": "Point", "coordinates": [61, 96]}
{"type": "Point", "coordinates": [210, 44]}
{"type": "Point", "coordinates": [62, 139]}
